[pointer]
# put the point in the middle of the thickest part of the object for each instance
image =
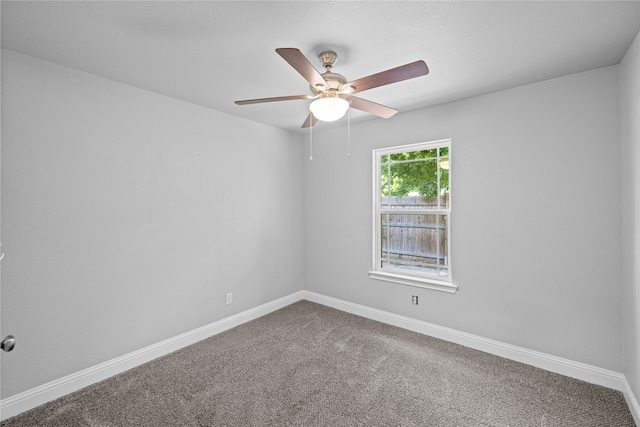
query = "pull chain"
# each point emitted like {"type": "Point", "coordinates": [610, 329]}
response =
{"type": "Point", "coordinates": [310, 136]}
{"type": "Point", "coordinates": [349, 133]}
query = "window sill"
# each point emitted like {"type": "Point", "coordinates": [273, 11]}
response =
{"type": "Point", "coordinates": [420, 282]}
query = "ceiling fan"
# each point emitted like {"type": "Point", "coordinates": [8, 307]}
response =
{"type": "Point", "coordinates": [333, 94]}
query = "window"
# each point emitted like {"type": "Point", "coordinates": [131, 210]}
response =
{"type": "Point", "coordinates": [412, 215]}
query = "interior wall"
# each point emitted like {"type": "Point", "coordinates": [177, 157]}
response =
{"type": "Point", "coordinates": [536, 207]}
{"type": "Point", "coordinates": [630, 166]}
{"type": "Point", "coordinates": [127, 216]}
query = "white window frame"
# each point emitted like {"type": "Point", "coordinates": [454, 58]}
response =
{"type": "Point", "coordinates": [401, 276]}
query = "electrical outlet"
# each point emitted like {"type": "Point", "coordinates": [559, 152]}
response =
{"type": "Point", "coordinates": [414, 299]}
{"type": "Point", "coordinates": [229, 298]}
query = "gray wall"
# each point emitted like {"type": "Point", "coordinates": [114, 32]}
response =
{"type": "Point", "coordinates": [127, 215]}
{"type": "Point", "coordinates": [536, 207]}
{"type": "Point", "coordinates": [630, 139]}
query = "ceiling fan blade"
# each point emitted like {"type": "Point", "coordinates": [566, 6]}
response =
{"type": "Point", "coordinates": [310, 121]}
{"type": "Point", "coordinates": [371, 107]}
{"type": "Point", "coordinates": [277, 98]}
{"type": "Point", "coordinates": [398, 74]}
{"type": "Point", "coordinates": [297, 60]}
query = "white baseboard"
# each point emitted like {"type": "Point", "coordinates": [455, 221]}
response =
{"type": "Point", "coordinates": [29, 399]}
{"type": "Point", "coordinates": [632, 401]}
{"type": "Point", "coordinates": [569, 368]}
{"type": "Point", "coordinates": [58, 388]}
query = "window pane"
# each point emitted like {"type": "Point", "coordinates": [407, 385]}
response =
{"type": "Point", "coordinates": [410, 185]}
{"type": "Point", "coordinates": [415, 242]}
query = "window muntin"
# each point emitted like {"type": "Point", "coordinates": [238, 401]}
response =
{"type": "Point", "coordinates": [412, 214]}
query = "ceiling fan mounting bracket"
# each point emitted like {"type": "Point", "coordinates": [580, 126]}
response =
{"type": "Point", "coordinates": [328, 58]}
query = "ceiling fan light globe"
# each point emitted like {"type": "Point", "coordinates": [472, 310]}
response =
{"type": "Point", "coordinates": [329, 109]}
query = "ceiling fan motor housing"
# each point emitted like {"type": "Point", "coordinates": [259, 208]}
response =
{"type": "Point", "coordinates": [334, 80]}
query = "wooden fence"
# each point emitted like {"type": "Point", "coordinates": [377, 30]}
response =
{"type": "Point", "coordinates": [414, 239]}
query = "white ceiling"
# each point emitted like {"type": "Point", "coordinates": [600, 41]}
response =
{"type": "Point", "coordinates": [212, 52]}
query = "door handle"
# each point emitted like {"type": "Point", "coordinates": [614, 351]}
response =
{"type": "Point", "coordinates": [8, 343]}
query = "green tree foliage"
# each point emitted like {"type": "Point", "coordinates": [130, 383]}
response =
{"type": "Point", "coordinates": [414, 172]}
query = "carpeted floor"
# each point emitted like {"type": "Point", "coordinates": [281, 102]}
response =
{"type": "Point", "coordinates": [311, 365]}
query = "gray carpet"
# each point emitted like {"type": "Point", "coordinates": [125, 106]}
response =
{"type": "Point", "coordinates": [311, 365]}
